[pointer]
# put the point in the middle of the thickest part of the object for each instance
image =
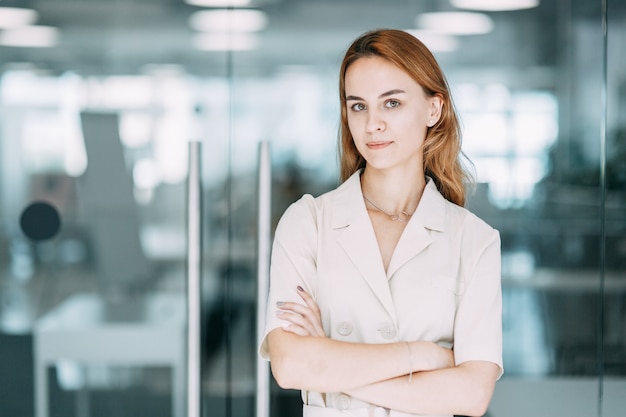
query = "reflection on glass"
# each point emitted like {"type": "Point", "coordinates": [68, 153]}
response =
{"type": "Point", "coordinates": [511, 155]}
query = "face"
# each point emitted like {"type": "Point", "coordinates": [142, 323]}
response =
{"type": "Point", "coordinates": [388, 114]}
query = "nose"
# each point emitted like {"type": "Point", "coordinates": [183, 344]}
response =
{"type": "Point", "coordinates": [374, 122]}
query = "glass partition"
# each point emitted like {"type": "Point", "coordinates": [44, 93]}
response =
{"type": "Point", "coordinates": [95, 116]}
{"type": "Point", "coordinates": [96, 110]}
{"type": "Point", "coordinates": [613, 333]}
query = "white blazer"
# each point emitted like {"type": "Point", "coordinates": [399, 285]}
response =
{"type": "Point", "coordinates": [442, 284]}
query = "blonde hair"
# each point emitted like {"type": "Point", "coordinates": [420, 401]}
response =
{"type": "Point", "coordinates": [442, 146]}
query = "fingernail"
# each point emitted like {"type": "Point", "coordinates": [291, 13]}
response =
{"type": "Point", "coordinates": [280, 303]}
{"type": "Point", "coordinates": [279, 313]}
{"type": "Point", "coordinates": [300, 288]}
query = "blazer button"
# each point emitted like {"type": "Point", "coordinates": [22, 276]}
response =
{"type": "Point", "coordinates": [344, 328]}
{"type": "Point", "coordinates": [388, 332]}
{"type": "Point", "coordinates": [343, 402]}
{"type": "Point", "coordinates": [381, 412]}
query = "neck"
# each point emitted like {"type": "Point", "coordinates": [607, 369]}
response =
{"type": "Point", "coordinates": [393, 191]}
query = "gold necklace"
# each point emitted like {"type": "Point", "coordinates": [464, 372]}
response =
{"type": "Point", "coordinates": [401, 216]}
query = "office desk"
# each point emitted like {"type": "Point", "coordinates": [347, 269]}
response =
{"type": "Point", "coordinates": [86, 330]}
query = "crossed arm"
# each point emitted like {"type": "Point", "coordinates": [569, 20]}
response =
{"type": "Point", "coordinates": [302, 357]}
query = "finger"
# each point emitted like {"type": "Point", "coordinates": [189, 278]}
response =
{"type": "Point", "coordinates": [293, 307]}
{"type": "Point", "coordinates": [308, 300]}
{"type": "Point", "coordinates": [298, 320]}
{"type": "Point", "coordinates": [312, 320]}
{"type": "Point", "coordinates": [292, 328]}
{"type": "Point", "coordinates": [310, 311]}
{"type": "Point", "coordinates": [317, 316]}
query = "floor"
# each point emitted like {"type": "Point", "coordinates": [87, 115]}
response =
{"type": "Point", "coordinates": [229, 359]}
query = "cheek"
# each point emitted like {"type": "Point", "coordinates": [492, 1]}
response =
{"type": "Point", "coordinates": [412, 130]}
{"type": "Point", "coordinates": [414, 124]}
{"type": "Point", "coordinates": [353, 126]}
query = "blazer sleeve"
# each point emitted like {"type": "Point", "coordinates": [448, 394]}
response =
{"type": "Point", "coordinates": [478, 322]}
{"type": "Point", "coordinates": [293, 261]}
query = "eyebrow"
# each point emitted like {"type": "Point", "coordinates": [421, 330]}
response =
{"type": "Point", "coordinates": [383, 95]}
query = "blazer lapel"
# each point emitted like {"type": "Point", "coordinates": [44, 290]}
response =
{"type": "Point", "coordinates": [359, 241]}
{"type": "Point", "coordinates": [429, 216]}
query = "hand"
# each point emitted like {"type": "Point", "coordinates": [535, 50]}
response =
{"type": "Point", "coordinates": [446, 359]}
{"type": "Point", "coordinates": [429, 356]}
{"type": "Point", "coordinates": [303, 320]}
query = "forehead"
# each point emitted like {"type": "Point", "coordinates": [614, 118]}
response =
{"type": "Point", "coordinates": [376, 73]}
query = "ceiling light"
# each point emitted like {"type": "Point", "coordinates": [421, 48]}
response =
{"type": "Point", "coordinates": [226, 41]}
{"type": "Point", "coordinates": [247, 20]}
{"type": "Point", "coordinates": [219, 3]}
{"type": "Point", "coordinates": [30, 36]}
{"type": "Point", "coordinates": [166, 70]}
{"type": "Point", "coordinates": [455, 23]}
{"type": "Point", "coordinates": [11, 17]}
{"type": "Point", "coordinates": [495, 5]}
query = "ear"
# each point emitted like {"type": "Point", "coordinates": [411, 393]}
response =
{"type": "Point", "coordinates": [435, 109]}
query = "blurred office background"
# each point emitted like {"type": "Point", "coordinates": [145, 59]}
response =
{"type": "Point", "coordinates": [99, 99]}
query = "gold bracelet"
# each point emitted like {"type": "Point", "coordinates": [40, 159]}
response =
{"type": "Point", "coordinates": [410, 362]}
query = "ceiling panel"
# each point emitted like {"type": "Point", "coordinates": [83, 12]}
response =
{"type": "Point", "coordinates": [123, 36]}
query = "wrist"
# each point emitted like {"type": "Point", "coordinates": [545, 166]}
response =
{"type": "Point", "coordinates": [428, 356]}
{"type": "Point", "coordinates": [408, 345]}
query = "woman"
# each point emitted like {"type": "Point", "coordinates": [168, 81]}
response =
{"type": "Point", "coordinates": [385, 294]}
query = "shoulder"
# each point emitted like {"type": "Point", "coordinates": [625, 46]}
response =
{"type": "Point", "coordinates": [313, 208]}
{"type": "Point", "coordinates": [308, 206]}
{"type": "Point", "coordinates": [467, 217]}
{"type": "Point", "coordinates": [444, 215]}
{"type": "Point", "coordinates": [473, 230]}
{"type": "Point", "coordinates": [305, 212]}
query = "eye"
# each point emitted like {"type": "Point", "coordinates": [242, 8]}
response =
{"type": "Point", "coordinates": [357, 107]}
{"type": "Point", "coordinates": [392, 103]}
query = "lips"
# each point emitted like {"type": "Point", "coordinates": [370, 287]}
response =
{"type": "Point", "coordinates": [378, 145]}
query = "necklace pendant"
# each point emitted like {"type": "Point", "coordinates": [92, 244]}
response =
{"type": "Point", "coordinates": [402, 216]}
